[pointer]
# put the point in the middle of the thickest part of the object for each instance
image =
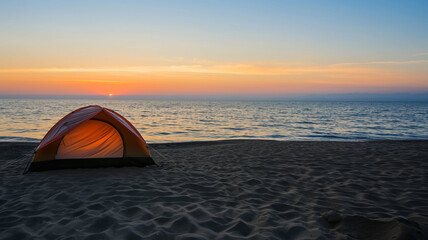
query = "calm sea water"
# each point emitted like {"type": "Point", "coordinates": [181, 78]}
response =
{"type": "Point", "coordinates": [176, 121]}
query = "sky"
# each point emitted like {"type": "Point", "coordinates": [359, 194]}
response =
{"type": "Point", "coordinates": [260, 48]}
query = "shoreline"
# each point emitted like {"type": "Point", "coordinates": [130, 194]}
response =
{"type": "Point", "coordinates": [226, 189]}
{"type": "Point", "coordinates": [259, 139]}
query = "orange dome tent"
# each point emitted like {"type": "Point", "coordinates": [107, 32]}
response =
{"type": "Point", "coordinates": [90, 137]}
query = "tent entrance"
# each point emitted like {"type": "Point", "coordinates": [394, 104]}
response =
{"type": "Point", "coordinates": [92, 139]}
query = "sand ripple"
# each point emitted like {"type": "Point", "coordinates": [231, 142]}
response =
{"type": "Point", "coordinates": [225, 190]}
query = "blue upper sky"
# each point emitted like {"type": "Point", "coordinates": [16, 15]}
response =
{"type": "Point", "coordinates": [331, 31]}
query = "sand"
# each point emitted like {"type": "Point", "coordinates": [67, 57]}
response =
{"type": "Point", "coordinates": [225, 190]}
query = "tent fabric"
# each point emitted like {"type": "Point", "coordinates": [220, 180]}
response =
{"type": "Point", "coordinates": [91, 137]}
{"type": "Point", "coordinates": [125, 123]}
{"type": "Point", "coordinates": [68, 122]}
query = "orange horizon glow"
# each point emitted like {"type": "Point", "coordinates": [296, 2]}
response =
{"type": "Point", "coordinates": [217, 78]}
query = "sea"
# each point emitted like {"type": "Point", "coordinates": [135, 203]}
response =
{"type": "Point", "coordinates": [163, 121]}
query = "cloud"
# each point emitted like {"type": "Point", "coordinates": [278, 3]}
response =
{"type": "Point", "coordinates": [197, 66]}
{"type": "Point", "coordinates": [98, 81]}
{"type": "Point", "coordinates": [383, 62]}
{"type": "Point", "coordinates": [208, 68]}
{"type": "Point", "coordinates": [200, 76]}
{"type": "Point", "coordinates": [421, 54]}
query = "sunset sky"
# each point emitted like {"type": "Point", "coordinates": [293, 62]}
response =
{"type": "Point", "coordinates": [213, 47]}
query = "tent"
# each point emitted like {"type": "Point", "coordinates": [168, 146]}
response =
{"type": "Point", "coordinates": [90, 137]}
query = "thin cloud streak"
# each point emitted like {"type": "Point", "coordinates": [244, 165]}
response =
{"type": "Point", "coordinates": [382, 62]}
{"type": "Point", "coordinates": [421, 54]}
{"type": "Point", "coordinates": [233, 69]}
{"type": "Point", "coordinates": [210, 67]}
{"type": "Point", "coordinates": [97, 81]}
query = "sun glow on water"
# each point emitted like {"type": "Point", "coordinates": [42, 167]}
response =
{"type": "Point", "coordinates": [179, 121]}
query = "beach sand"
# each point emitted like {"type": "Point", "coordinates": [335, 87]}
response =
{"type": "Point", "coordinates": [240, 189]}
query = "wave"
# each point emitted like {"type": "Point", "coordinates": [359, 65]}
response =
{"type": "Point", "coordinates": [18, 139]}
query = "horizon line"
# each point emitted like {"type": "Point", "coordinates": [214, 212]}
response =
{"type": "Point", "coordinates": [351, 96]}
